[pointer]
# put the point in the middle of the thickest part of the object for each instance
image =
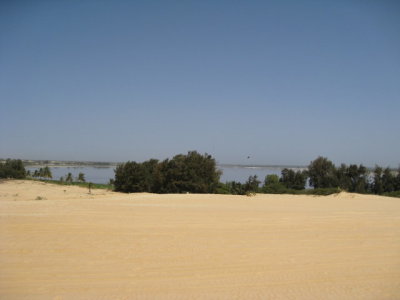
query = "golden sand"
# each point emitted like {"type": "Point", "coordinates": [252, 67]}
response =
{"type": "Point", "coordinates": [107, 245]}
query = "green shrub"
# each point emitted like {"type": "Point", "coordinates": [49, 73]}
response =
{"type": "Point", "coordinates": [392, 194]}
{"type": "Point", "coordinates": [12, 168]}
{"type": "Point", "coordinates": [193, 173]}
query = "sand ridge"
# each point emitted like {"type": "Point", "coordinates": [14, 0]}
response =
{"type": "Point", "coordinates": [107, 245]}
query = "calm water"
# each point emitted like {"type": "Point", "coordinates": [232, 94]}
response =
{"type": "Point", "coordinates": [103, 175]}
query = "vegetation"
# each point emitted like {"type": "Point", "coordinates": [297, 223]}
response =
{"type": "Point", "coordinates": [43, 173]}
{"type": "Point", "coordinates": [81, 177]}
{"type": "Point", "coordinates": [81, 184]}
{"type": "Point", "coordinates": [69, 178]}
{"type": "Point", "coordinates": [232, 188]}
{"type": "Point", "coordinates": [196, 173]}
{"type": "Point", "coordinates": [322, 173]}
{"type": "Point", "coordinates": [12, 168]}
{"type": "Point", "coordinates": [353, 178]}
{"type": "Point", "coordinates": [294, 180]}
{"type": "Point", "coordinates": [191, 173]}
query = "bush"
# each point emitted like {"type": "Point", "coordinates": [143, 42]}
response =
{"type": "Point", "coordinates": [272, 185]}
{"type": "Point", "coordinates": [322, 191]}
{"type": "Point", "coordinates": [193, 173]}
{"type": "Point", "coordinates": [293, 180]}
{"type": "Point", "coordinates": [223, 188]}
{"type": "Point", "coordinates": [251, 185]}
{"type": "Point", "coordinates": [12, 168]}
{"type": "Point", "coordinates": [322, 173]}
{"type": "Point", "coordinates": [274, 188]}
{"type": "Point", "coordinates": [392, 194]}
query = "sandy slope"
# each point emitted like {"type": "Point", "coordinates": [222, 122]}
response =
{"type": "Point", "coordinates": [142, 246]}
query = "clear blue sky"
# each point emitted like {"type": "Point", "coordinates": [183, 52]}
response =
{"type": "Point", "coordinates": [280, 81]}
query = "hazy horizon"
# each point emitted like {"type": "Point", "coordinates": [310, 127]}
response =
{"type": "Point", "coordinates": [279, 82]}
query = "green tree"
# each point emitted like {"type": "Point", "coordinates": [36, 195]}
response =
{"type": "Point", "coordinates": [12, 168]}
{"type": "Point", "coordinates": [234, 188]}
{"type": "Point", "coordinates": [47, 173]}
{"type": "Point", "coordinates": [193, 173]}
{"type": "Point", "coordinates": [81, 177]}
{"type": "Point", "coordinates": [293, 180]}
{"type": "Point", "coordinates": [69, 178]}
{"type": "Point", "coordinates": [377, 185]}
{"type": "Point", "coordinates": [357, 177]}
{"type": "Point", "coordinates": [388, 181]}
{"type": "Point", "coordinates": [344, 180]}
{"type": "Point", "coordinates": [272, 185]}
{"type": "Point", "coordinates": [130, 177]}
{"type": "Point", "coordinates": [252, 184]}
{"type": "Point", "coordinates": [322, 173]}
{"type": "Point", "coordinates": [271, 179]}
{"type": "Point", "coordinates": [398, 180]}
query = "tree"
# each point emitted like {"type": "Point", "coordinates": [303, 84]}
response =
{"type": "Point", "coordinates": [272, 185]}
{"type": "Point", "coordinates": [130, 178]}
{"type": "Point", "coordinates": [388, 181]}
{"type": "Point", "coordinates": [69, 178]}
{"type": "Point", "coordinates": [398, 180]}
{"type": "Point", "coordinates": [322, 173]}
{"type": "Point", "coordinates": [342, 176]}
{"type": "Point", "coordinates": [235, 188]}
{"type": "Point", "coordinates": [271, 179]}
{"type": "Point", "coordinates": [357, 178]}
{"type": "Point", "coordinates": [12, 168]}
{"type": "Point", "coordinates": [193, 173]}
{"type": "Point", "coordinates": [81, 177]}
{"type": "Point", "coordinates": [47, 173]}
{"type": "Point", "coordinates": [252, 184]}
{"type": "Point", "coordinates": [377, 185]}
{"type": "Point", "coordinates": [293, 180]}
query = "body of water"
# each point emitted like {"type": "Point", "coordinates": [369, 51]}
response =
{"type": "Point", "coordinates": [104, 174]}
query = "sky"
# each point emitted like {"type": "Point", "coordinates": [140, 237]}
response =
{"type": "Point", "coordinates": [281, 82]}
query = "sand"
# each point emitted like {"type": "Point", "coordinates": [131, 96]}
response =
{"type": "Point", "coordinates": [107, 245]}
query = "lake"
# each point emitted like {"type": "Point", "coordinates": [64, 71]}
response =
{"type": "Point", "coordinates": [103, 174]}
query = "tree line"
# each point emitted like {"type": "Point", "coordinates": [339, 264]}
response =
{"type": "Point", "coordinates": [197, 173]}
{"type": "Point", "coordinates": [14, 168]}
{"type": "Point", "coordinates": [324, 177]}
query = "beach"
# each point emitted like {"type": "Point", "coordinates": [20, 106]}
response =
{"type": "Point", "coordinates": [60, 242]}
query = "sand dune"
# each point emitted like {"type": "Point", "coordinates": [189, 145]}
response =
{"type": "Point", "coordinates": [106, 245]}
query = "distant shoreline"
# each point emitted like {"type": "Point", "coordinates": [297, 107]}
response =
{"type": "Point", "coordinates": [262, 166]}
{"type": "Point", "coordinates": [94, 164]}
{"type": "Point", "coordinates": [59, 163]}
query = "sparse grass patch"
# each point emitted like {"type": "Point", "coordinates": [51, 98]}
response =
{"type": "Point", "coordinates": [250, 194]}
{"type": "Point", "coordinates": [393, 194]}
{"type": "Point", "coordinates": [40, 198]}
{"type": "Point", "coordinates": [320, 191]}
{"type": "Point", "coordinates": [81, 184]}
